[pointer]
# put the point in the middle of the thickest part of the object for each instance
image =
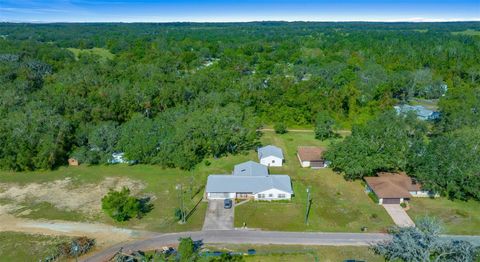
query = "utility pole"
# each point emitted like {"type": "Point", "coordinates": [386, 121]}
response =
{"type": "Point", "coordinates": [307, 209]}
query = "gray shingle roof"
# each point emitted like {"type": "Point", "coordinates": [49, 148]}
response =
{"type": "Point", "coordinates": [250, 168]}
{"type": "Point", "coordinates": [247, 184]}
{"type": "Point", "coordinates": [270, 151]}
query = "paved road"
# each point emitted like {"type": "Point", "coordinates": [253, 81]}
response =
{"type": "Point", "coordinates": [245, 237]}
{"type": "Point", "coordinates": [217, 217]}
{"type": "Point", "coordinates": [399, 216]}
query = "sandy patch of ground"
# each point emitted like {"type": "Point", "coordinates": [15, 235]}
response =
{"type": "Point", "coordinates": [9, 208]}
{"type": "Point", "coordinates": [105, 235]}
{"type": "Point", "coordinates": [64, 194]}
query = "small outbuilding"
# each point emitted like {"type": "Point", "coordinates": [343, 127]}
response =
{"type": "Point", "coordinates": [311, 156]}
{"type": "Point", "coordinates": [270, 156]}
{"type": "Point", "coordinates": [395, 188]}
{"type": "Point", "coordinates": [73, 162]}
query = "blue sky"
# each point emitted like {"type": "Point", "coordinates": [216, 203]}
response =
{"type": "Point", "coordinates": [246, 10]}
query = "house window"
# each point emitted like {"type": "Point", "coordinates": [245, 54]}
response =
{"type": "Point", "coordinates": [270, 195]}
{"type": "Point", "coordinates": [281, 195]}
{"type": "Point", "coordinates": [261, 195]}
{"type": "Point", "coordinates": [273, 160]}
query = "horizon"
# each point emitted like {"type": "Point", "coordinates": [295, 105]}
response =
{"type": "Point", "coordinates": [234, 22]}
{"type": "Point", "coordinates": [218, 11]}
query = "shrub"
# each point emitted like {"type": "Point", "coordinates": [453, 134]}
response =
{"type": "Point", "coordinates": [324, 124]}
{"type": "Point", "coordinates": [76, 247]}
{"type": "Point", "coordinates": [186, 249]}
{"type": "Point", "coordinates": [121, 206]}
{"type": "Point", "coordinates": [280, 128]}
{"type": "Point", "coordinates": [373, 197]}
{"type": "Point", "coordinates": [178, 214]}
{"type": "Point", "coordinates": [403, 205]}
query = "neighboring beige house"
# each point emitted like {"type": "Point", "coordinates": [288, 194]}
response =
{"type": "Point", "coordinates": [395, 188]}
{"type": "Point", "coordinates": [311, 156]}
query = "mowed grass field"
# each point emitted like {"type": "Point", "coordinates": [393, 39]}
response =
{"type": "Point", "coordinates": [469, 32]}
{"type": "Point", "coordinates": [287, 253]}
{"type": "Point", "coordinates": [159, 183]}
{"type": "Point", "coordinates": [103, 53]}
{"type": "Point", "coordinates": [458, 217]}
{"type": "Point", "coordinates": [337, 205]}
{"type": "Point", "coordinates": [27, 247]}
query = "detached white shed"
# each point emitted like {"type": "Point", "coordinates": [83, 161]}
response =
{"type": "Point", "coordinates": [270, 156]}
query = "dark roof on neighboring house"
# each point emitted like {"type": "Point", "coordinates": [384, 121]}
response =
{"type": "Point", "coordinates": [392, 185]}
{"type": "Point", "coordinates": [310, 153]}
{"type": "Point", "coordinates": [250, 168]}
{"type": "Point", "coordinates": [270, 151]}
{"type": "Point", "coordinates": [247, 184]}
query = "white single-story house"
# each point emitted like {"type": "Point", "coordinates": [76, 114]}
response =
{"type": "Point", "coordinates": [311, 156]}
{"type": "Point", "coordinates": [250, 168]}
{"type": "Point", "coordinates": [270, 156]}
{"type": "Point", "coordinates": [272, 187]}
{"type": "Point", "coordinates": [395, 188]}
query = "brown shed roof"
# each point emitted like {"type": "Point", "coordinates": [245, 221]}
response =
{"type": "Point", "coordinates": [310, 153]}
{"type": "Point", "coordinates": [392, 185]}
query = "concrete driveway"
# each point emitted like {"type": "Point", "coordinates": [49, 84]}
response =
{"type": "Point", "coordinates": [217, 217]}
{"type": "Point", "coordinates": [399, 216]}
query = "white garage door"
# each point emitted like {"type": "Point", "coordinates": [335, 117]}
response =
{"type": "Point", "coordinates": [219, 195]}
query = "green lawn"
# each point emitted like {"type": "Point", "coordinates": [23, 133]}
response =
{"type": "Point", "coordinates": [105, 54]}
{"type": "Point", "coordinates": [337, 205]}
{"type": "Point", "coordinates": [285, 253]}
{"type": "Point", "coordinates": [159, 182]}
{"type": "Point", "coordinates": [469, 32]}
{"type": "Point", "coordinates": [27, 247]}
{"type": "Point", "coordinates": [458, 217]}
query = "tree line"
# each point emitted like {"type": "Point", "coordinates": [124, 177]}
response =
{"type": "Point", "coordinates": [174, 94]}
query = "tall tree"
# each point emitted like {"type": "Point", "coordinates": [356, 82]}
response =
{"type": "Point", "coordinates": [382, 144]}
{"type": "Point", "coordinates": [424, 244]}
{"type": "Point", "coordinates": [451, 164]}
{"type": "Point", "coordinates": [186, 250]}
{"type": "Point", "coordinates": [324, 126]}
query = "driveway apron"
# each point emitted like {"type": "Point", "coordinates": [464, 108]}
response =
{"type": "Point", "coordinates": [217, 217]}
{"type": "Point", "coordinates": [399, 216]}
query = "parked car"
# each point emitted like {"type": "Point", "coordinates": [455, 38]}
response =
{"type": "Point", "coordinates": [227, 203]}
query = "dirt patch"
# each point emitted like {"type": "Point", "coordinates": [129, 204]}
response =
{"type": "Point", "coordinates": [64, 194]}
{"type": "Point", "coordinates": [9, 208]}
{"type": "Point", "coordinates": [105, 235]}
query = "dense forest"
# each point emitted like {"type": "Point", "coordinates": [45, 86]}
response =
{"type": "Point", "coordinates": [173, 94]}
